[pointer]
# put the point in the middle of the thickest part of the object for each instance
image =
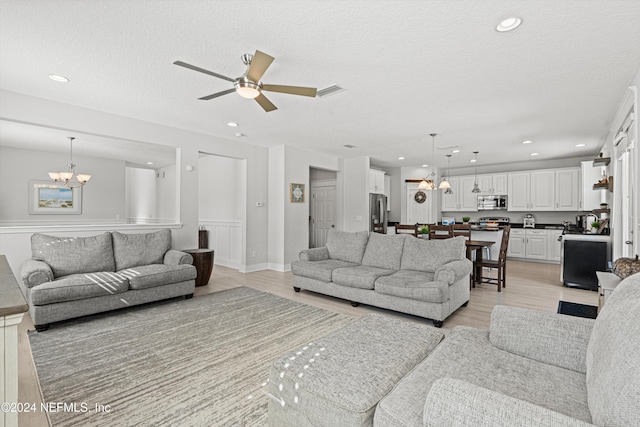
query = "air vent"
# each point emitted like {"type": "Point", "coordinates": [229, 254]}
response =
{"type": "Point", "coordinates": [349, 146]}
{"type": "Point", "coordinates": [329, 90]}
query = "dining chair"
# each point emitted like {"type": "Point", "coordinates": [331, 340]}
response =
{"type": "Point", "coordinates": [462, 230]}
{"type": "Point", "coordinates": [440, 231]}
{"type": "Point", "coordinates": [378, 227]}
{"type": "Point", "coordinates": [407, 229]}
{"type": "Point", "coordinates": [499, 264]}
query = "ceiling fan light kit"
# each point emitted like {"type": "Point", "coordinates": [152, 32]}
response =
{"type": "Point", "coordinates": [249, 84]}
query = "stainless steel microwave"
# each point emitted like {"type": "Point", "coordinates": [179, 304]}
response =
{"type": "Point", "coordinates": [491, 203]}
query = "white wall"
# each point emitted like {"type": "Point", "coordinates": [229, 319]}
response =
{"type": "Point", "coordinates": [219, 193]}
{"type": "Point", "coordinates": [140, 194]}
{"type": "Point", "coordinates": [103, 198]}
{"type": "Point", "coordinates": [289, 222]}
{"type": "Point", "coordinates": [167, 207]}
{"type": "Point", "coordinates": [37, 111]}
{"type": "Point", "coordinates": [356, 194]}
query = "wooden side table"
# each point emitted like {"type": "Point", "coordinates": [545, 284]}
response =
{"type": "Point", "coordinates": [203, 262]}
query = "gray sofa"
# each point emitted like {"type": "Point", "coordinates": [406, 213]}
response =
{"type": "Point", "coordinates": [427, 278]}
{"type": "Point", "coordinates": [530, 368]}
{"type": "Point", "coordinates": [68, 277]}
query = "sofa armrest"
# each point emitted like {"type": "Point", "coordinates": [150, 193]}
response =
{"type": "Point", "coordinates": [34, 273]}
{"type": "Point", "coordinates": [453, 271]}
{"type": "Point", "coordinates": [314, 254]}
{"type": "Point", "coordinates": [174, 257]}
{"type": "Point", "coordinates": [551, 338]}
{"type": "Point", "coordinates": [457, 403]}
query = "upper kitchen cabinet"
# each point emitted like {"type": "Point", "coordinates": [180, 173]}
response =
{"type": "Point", "coordinates": [531, 191]}
{"type": "Point", "coordinates": [567, 189]}
{"type": "Point", "coordinates": [376, 181]}
{"type": "Point", "coordinates": [493, 184]}
{"type": "Point", "coordinates": [462, 199]}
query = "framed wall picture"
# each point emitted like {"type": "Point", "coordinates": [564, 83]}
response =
{"type": "Point", "coordinates": [50, 198]}
{"type": "Point", "coordinates": [296, 193]}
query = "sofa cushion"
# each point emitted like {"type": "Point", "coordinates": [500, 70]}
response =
{"type": "Point", "coordinates": [133, 250]}
{"type": "Point", "coordinates": [415, 285]}
{"type": "Point", "coordinates": [73, 255]}
{"type": "Point", "coordinates": [79, 286]}
{"type": "Point", "coordinates": [319, 270]}
{"type": "Point", "coordinates": [428, 255]}
{"type": "Point", "coordinates": [152, 275]}
{"type": "Point", "coordinates": [384, 251]}
{"type": "Point", "coordinates": [347, 246]}
{"type": "Point", "coordinates": [466, 354]}
{"type": "Point", "coordinates": [361, 276]}
{"type": "Point", "coordinates": [613, 358]}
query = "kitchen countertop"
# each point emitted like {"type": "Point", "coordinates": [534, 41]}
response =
{"type": "Point", "coordinates": [12, 301]}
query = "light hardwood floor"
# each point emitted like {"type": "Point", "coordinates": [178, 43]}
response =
{"type": "Point", "coordinates": [530, 285]}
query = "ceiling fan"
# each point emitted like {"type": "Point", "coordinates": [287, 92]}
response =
{"type": "Point", "coordinates": [249, 85]}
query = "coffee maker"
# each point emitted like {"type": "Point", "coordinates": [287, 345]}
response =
{"type": "Point", "coordinates": [580, 222]}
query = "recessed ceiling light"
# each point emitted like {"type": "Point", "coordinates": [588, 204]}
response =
{"type": "Point", "coordinates": [59, 79]}
{"type": "Point", "coordinates": [455, 151]}
{"type": "Point", "coordinates": [528, 141]}
{"type": "Point", "coordinates": [580, 145]}
{"type": "Point", "coordinates": [424, 166]}
{"type": "Point", "coordinates": [534, 154]}
{"type": "Point", "coordinates": [472, 161]}
{"type": "Point", "coordinates": [238, 134]}
{"type": "Point", "coordinates": [508, 24]}
{"type": "Point", "coordinates": [232, 124]}
{"type": "Point", "coordinates": [149, 163]}
{"type": "Point", "coordinates": [400, 158]}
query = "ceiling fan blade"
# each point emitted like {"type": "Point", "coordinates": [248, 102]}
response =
{"type": "Point", "coordinates": [259, 65]}
{"type": "Point", "coordinates": [265, 103]}
{"type": "Point", "coordinates": [202, 70]}
{"type": "Point", "coordinates": [215, 95]}
{"type": "Point", "coordinates": [292, 90]}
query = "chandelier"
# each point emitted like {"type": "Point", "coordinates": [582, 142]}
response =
{"type": "Point", "coordinates": [428, 183]}
{"type": "Point", "coordinates": [65, 177]}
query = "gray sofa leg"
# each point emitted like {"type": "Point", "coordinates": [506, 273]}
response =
{"type": "Point", "coordinates": [465, 304]}
{"type": "Point", "coordinates": [354, 304]}
{"type": "Point", "coordinates": [188, 296]}
{"type": "Point", "coordinates": [42, 328]}
{"type": "Point", "coordinates": [296, 289]}
{"type": "Point", "coordinates": [438, 323]}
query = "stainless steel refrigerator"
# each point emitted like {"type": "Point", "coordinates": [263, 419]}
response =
{"type": "Point", "coordinates": [378, 213]}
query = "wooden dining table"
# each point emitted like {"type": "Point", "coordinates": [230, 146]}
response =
{"type": "Point", "coordinates": [473, 246]}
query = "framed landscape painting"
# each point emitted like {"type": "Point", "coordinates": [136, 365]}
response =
{"type": "Point", "coordinates": [50, 198]}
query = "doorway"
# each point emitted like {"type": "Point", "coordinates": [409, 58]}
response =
{"type": "Point", "coordinates": [419, 213]}
{"type": "Point", "coordinates": [322, 206]}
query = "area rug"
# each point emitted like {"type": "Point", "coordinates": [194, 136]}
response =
{"type": "Point", "coordinates": [198, 362]}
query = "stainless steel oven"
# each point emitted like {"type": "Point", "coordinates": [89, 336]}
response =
{"type": "Point", "coordinates": [491, 203]}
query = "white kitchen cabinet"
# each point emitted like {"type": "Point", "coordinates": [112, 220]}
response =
{"type": "Point", "coordinates": [493, 183]}
{"type": "Point", "coordinates": [531, 191]}
{"type": "Point", "coordinates": [529, 243]}
{"type": "Point", "coordinates": [516, 246]}
{"type": "Point", "coordinates": [554, 246]}
{"type": "Point", "coordinates": [589, 198]}
{"type": "Point", "coordinates": [536, 244]}
{"type": "Point", "coordinates": [462, 199]}
{"type": "Point", "coordinates": [567, 189]}
{"type": "Point", "coordinates": [518, 191]}
{"type": "Point", "coordinates": [376, 181]}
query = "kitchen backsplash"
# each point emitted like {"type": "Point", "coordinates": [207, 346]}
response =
{"type": "Point", "coordinates": [518, 217]}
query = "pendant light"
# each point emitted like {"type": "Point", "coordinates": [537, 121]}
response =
{"type": "Point", "coordinates": [444, 184]}
{"type": "Point", "coordinates": [476, 189]}
{"type": "Point", "coordinates": [428, 183]}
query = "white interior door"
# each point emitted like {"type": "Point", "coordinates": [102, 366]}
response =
{"type": "Point", "coordinates": [419, 212]}
{"type": "Point", "coordinates": [323, 213]}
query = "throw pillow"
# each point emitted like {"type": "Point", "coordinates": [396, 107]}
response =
{"type": "Point", "coordinates": [133, 250]}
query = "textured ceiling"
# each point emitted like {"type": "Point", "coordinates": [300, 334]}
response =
{"type": "Point", "coordinates": [409, 68]}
